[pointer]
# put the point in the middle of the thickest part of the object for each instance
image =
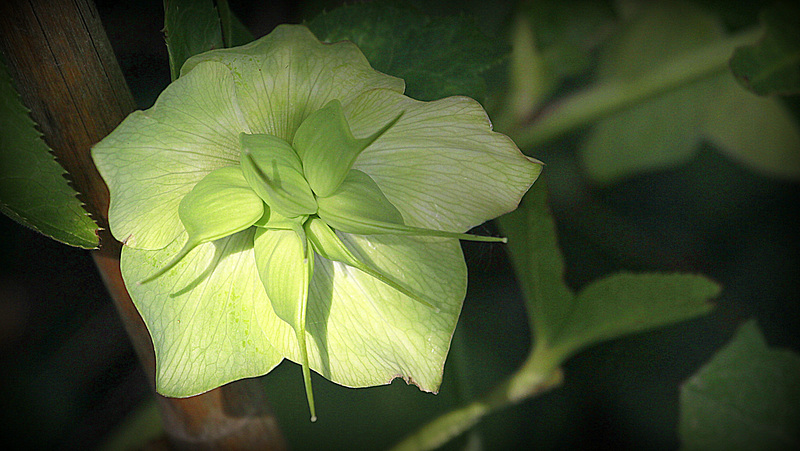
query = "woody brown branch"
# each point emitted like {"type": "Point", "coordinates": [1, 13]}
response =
{"type": "Point", "coordinates": [65, 71]}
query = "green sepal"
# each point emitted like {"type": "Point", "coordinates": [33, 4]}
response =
{"type": "Point", "coordinates": [358, 201]}
{"type": "Point", "coordinates": [275, 173]}
{"type": "Point", "coordinates": [325, 243]}
{"type": "Point", "coordinates": [328, 149]}
{"type": "Point", "coordinates": [359, 206]}
{"type": "Point", "coordinates": [220, 205]}
{"type": "Point", "coordinates": [285, 265]}
{"type": "Point", "coordinates": [276, 221]}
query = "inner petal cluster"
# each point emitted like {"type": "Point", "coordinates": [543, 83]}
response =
{"type": "Point", "coordinates": [279, 186]}
{"type": "Point", "coordinates": [298, 195]}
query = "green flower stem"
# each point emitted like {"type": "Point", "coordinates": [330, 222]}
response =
{"type": "Point", "coordinates": [538, 374]}
{"type": "Point", "coordinates": [607, 98]}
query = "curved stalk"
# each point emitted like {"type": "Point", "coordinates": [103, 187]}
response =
{"type": "Point", "coordinates": [538, 374]}
{"type": "Point", "coordinates": [609, 97]}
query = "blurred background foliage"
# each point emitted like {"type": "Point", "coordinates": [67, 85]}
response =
{"type": "Point", "coordinates": [68, 376]}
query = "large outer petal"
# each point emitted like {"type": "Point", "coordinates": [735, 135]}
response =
{"type": "Point", "coordinates": [203, 318]}
{"type": "Point", "coordinates": [288, 74]}
{"type": "Point", "coordinates": [440, 165]}
{"type": "Point", "coordinates": [361, 332]}
{"type": "Point", "coordinates": [157, 156]}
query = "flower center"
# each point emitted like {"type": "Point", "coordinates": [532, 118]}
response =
{"type": "Point", "coordinates": [308, 186]}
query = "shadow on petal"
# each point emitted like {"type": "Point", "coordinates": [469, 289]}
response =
{"type": "Point", "coordinates": [320, 297]}
{"type": "Point", "coordinates": [222, 249]}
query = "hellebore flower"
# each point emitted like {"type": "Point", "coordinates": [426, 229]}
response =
{"type": "Point", "coordinates": [285, 200]}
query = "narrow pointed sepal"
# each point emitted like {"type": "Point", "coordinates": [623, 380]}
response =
{"type": "Point", "coordinates": [328, 148]}
{"type": "Point", "coordinates": [359, 206]}
{"type": "Point", "coordinates": [358, 202]}
{"type": "Point", "coordinates": [220, 205]}
{"type": "Point", "coordinates": [275, 173]}
{"type": "Point", "coordinates": [285, 265]}
{"type": "Point", "coordinates": [325, 243]}
{"type": "Point", "coordinates": [171, 264]}
{"type": "Point", "coordinates": [301, 332]}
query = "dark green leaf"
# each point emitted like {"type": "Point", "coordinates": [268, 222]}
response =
{"type": "Point", "coordinates": [746, 398]}
{"type": "Point", "coordinates": [538, 262]}
{"type": "Point", "coordinates": [234, 32]}
{"type": "Point", "coordinates": [625, 303]}
{"type": "Point", "coordinates": [757, 131]}
{"type": "Point", "coordinates": [552, 40]}
{"type": "Point", "coordinates": [566, 31]}
{"type": "Point", "coordinates": [772, 66]}
{"type": "Point", "coordinates": [190, 27]}
{"type": "Point", "coordinates": [616, 305]}
{"type": "Point", "coordinates": [530, 78]}
{"type": "Point", "coordinates": [33, 190]}
{"type": "Point", "coordinates": [436, 57]}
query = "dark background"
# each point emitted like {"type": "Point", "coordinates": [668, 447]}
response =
{"type": "Point", "coordinates": [68, 375]}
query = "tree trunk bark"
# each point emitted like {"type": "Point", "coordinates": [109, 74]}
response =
{"type": "Point", "coordinates": [65, 71]}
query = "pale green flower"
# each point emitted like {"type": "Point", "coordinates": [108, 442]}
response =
{"type": "Point", "coordinates": [284, 199]}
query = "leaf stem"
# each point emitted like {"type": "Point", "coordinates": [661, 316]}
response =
{"type": "Point", "coordinates": [538, 374]}
{"type": "Point", "coordinates": [608, 97]}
